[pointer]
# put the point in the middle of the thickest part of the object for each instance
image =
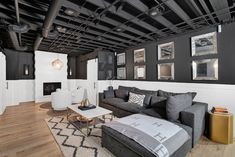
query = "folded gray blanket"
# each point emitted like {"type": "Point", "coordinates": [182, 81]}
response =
{"type": "Point", "coordinates": [159, 136]}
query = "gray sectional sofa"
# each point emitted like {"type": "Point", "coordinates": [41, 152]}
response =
{"type": "Point", "coordinates": [192, 119]}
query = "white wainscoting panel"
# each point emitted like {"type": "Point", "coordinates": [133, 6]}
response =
{"type": "Point", "coordinates": [44, 72]}
{"type": "Point", "coordinates": [19, 91]}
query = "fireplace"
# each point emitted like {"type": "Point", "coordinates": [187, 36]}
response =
{"type": "Point", "coordinates": [49, 87]}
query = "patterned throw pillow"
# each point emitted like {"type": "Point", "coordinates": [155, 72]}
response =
{"type": "Point", "coordinates": [136, 98]}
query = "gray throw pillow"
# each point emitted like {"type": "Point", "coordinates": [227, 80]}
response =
{"type": "Point", "coordinates": [148, 95]}
{"type": "Point", "coordinates": [158, 101]}
{"type": "Point", "coordinates": [108, 94]}
{"type": "Point", "coordinates": [167, 94]}
{"type": "Point", "coordinates": [176, 104]}
{"type": "Point", "coordinates": [123, 94]}
{"type": "Point", "coordinates": [136, 98]}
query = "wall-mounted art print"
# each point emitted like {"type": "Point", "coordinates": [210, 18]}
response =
{"type": "Point", "coordinates": [121, 73]}
{"type": "Point", "coordinates": [139, 56]}
{"type": "Point", "coordinates": [206, 69]}
{"type": "Point", "coordinates": [166, 71]}
{"type": "Point", "coordinates": [166, 51]}
{"type": "Point", "coordinates": [204, 44]}
{"type": "Point", "coordinates": [140, 72]}
{"type": "Point", "coordinates": [121, 59]}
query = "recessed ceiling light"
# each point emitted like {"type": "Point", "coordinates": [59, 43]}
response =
{"type": "Point", "coordinates": [61, 29]}
{"type": "Point", "coordinates": [71, 12]}
{"type": "Point", "coordinates": [155, 12]}
{"type": "Point", "coordinates": [100, 38]}
{"type": "Point", "coordinates": [119, 29]}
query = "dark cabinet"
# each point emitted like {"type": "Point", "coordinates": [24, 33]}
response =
{"type": "Point", "coordinates": [106, 64]}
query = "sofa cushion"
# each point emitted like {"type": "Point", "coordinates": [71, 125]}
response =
{"type": "Point", "coordinates": [121, 93]}
{"type": "Point", "coordinates": [129, 89]}
{"type": "Point", "coordinates": [152, 112]}
{"type": "Point", "coordinates": [108, 94]}
{"type": "Point", "coordinates": [148, 95]}
{"type": "Point", "coordinates": [113, 101]}
{"type": "Point", "coordinates": [136, 98]}
{"type": "Point", "coordinates": [167, 94]}
{"type": "Point", "coordinates": [145, 92]}
{"type": "Point", "coordinates": [130, 107]}
{"type": "Point", "coordinates": [158, 101]}
{"type": "Point", "coordinates": [188, 129]}
{"type": "Point", "coordinates": [176, 104]}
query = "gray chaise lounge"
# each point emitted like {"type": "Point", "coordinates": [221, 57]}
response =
{"type": "Point", "coordinates": [192, 119]}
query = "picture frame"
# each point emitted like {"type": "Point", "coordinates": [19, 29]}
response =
{"type": "Point", "coordinates": [139, 55]}
{"type": "Point", "coordinates": [166, 51]}
{"type": "Point", "coordinates": [166, 71]}
{"type": "Point", "coordinates": [121, 73]}
{"type": "Point", "coordinates": [204, 44]}
{"type": "Point", "coordinates": [205, 69]}
{"type": "Point", "coordinates": [121, 59]}
{"type": "Point", "coordinates": [140, 72]}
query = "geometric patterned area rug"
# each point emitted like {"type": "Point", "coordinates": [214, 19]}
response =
{"type": "Point", "coordinates": [73, 143]}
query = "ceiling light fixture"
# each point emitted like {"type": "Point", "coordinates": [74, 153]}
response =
{"type": "Point", "coordinates": [71, 12]}
{"type": "Point", "coordinates": [61, 29]}
{"type": "Point", "coordinates": [99, 38]}
{"type": "Point", "coordinates": [119, 29]}
{"type": "Point", "coordinates": [155, 12]}
{"type": "Point", "coordinates": [57, 64]}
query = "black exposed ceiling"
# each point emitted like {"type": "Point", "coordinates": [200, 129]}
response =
{"type": "Point", "coordinates": [95, 23]}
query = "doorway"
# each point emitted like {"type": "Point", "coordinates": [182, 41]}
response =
{"type": "Point", "coordinates": [92, 81]}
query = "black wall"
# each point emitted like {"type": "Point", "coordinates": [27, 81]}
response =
{"type": "Point", "coordinates": [15, 62]}
{"type": "Point", "coordinates": [78, 67]}
{"type": "Point", "coordinates": [183, 59]}
{"type": "Point", "coordinates": [72, 66]}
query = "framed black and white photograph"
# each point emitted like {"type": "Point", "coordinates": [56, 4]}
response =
{"type": "Point", "coordinates": [204, 44]}
{"type": "Point", "coordinates": [121, 73]}
{"type": "Point", "coordinates": [121, 59]}
{"type": "Point", "coordinates": [206, 69]}
{"type": "Point", "coordinates": [166, 51]}
{"type": "Point", "coordinates": [139, 55]}
{"type": "Point", "coordinates": [166, 71]}
{"type": "Point", "coordinates": [140, 72]}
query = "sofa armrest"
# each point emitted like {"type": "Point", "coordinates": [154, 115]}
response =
{"type": "Point", "coordinates": [101, 97]}
{"type": "Point", "coordinates": [195, 117]}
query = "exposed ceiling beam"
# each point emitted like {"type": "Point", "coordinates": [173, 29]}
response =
{"type": "Point", "coordinates": [94, 39]}
{"type": "Point", "coordinates": [179, 11]}
{"type": "Point", "coordinates": [33, 26]}
{"type": "Point", "coordinates": [207, 10]}
{"type": "Point", "coordinates": [143, 8]}
{"type": "Point", "coordinates": [221, 8]}
{"type": "Point", "coordinates": [101, 27]}
{"type": "Point", "coordinates": [92, 43]}
{"type": "Point", "coordinates": [129, 17]}
{"type": "Point", "coordinates": [92, 32]}
{"type": "Point", "coordinates": [87, 12]}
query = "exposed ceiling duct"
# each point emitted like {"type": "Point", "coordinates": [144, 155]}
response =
{"type": "Point", "coordinates": [23, 28]}
{"type": "Point", "coordinates": [15, 42]}
{"type": "Point", "coordinates": [51, 15]}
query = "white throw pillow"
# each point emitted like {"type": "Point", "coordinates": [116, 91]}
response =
{"type": "Point", "coordinates": [136, 98]}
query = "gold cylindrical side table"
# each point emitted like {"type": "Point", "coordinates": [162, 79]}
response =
{"type": "Point", "coordinates": [221, 127]}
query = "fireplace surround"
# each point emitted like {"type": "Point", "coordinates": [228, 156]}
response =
{"type": "Point", "coordinates": [49, 87]}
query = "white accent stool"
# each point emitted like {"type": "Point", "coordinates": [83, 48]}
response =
{"type": "Point", "coordinates": [61, 99]}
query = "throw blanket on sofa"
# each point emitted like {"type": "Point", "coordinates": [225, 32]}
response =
{"type": "Point", "coordinates": [159, 136]}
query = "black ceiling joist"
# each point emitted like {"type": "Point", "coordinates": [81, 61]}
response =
{"type": "Point", "coordinates": [109, 24]}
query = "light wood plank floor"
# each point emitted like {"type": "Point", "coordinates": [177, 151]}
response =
{"type": "Point", "coordinates": [24, 133]}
